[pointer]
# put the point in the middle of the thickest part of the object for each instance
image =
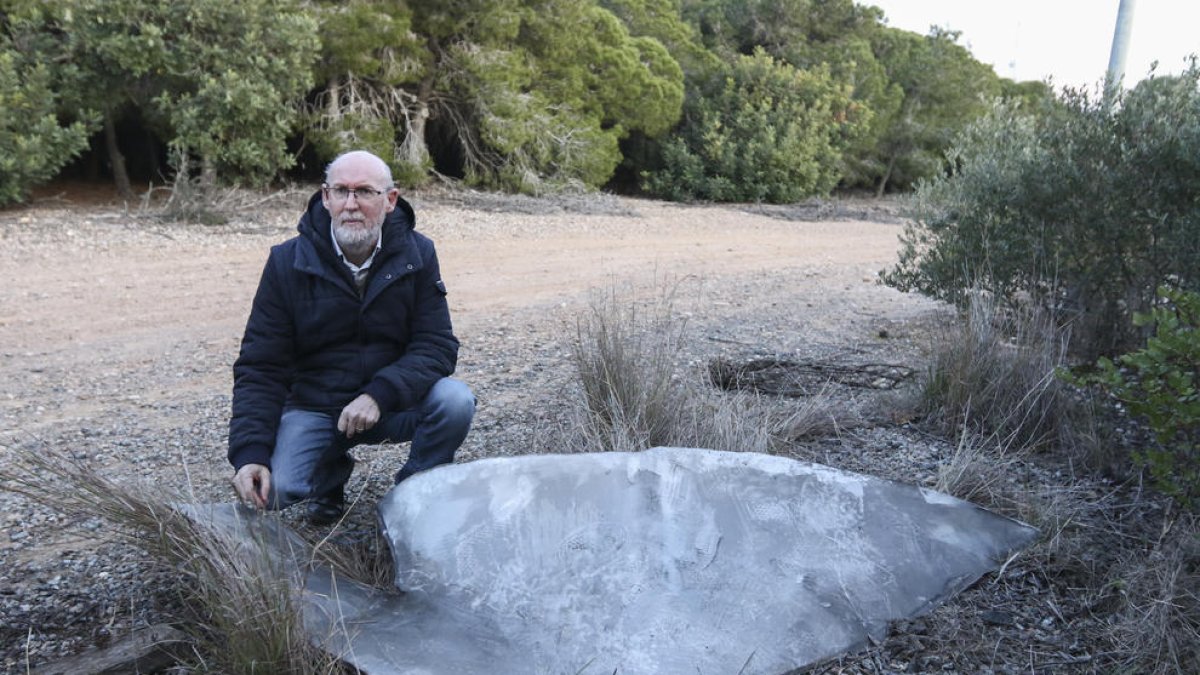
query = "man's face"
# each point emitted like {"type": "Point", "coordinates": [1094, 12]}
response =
{"type": "Point", "coordinates": [358, 220]}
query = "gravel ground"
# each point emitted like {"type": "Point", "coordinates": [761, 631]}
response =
{"type": "Point", "coordinates": [118, 331]}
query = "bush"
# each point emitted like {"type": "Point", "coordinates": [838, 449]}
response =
{"type": "Point", "coordinates": [1158, 385]}
{"type": "Point", "coordinates": [222, 81]}
{"type": "Point", "coordinates": [1084, 210]}
{"type": "Point", "coordinates": [761, 131]}
{"type": "Point", "coordinates": [33, 144]}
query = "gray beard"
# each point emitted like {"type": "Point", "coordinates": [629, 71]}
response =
{"type": "Point", "coordinates": [356, 242]}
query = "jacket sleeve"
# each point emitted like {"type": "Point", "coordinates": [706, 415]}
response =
{"type": "Point", "coordinates": [432, 351]}
{"type": "Point", "coordinates": [263, 370]}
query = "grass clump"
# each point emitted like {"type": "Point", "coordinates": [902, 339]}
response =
{"type": "Point", "coordinates": [625, 355]}
{"type": "Point", "coordinates": [984, 474]}
{"type": "Point", "coordinates": [995, 375]}
{"type": "Point", "coordinates": [242, 600]}
{"type": "Point", "coordinates": [638, 393]}
{"type": "Point", "coordinates": [1157, 628]}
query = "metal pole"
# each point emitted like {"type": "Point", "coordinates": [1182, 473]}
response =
{"type": "Point", "coordinates": [1120, 43]}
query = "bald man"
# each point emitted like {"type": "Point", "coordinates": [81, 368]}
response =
{"type": "Point", "coordinates": [349, 341]}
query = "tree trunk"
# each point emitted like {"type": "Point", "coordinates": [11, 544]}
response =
{"type": "Point", "coordinates": [887, 175]}
{"type": "Point", "coordinates": [414, 151]}
{"type": "Point", "coordinates": [333, 105]}
{"type": "Point", "coordinates": [116, 159]}
{"type": "Point", "coordinates": [208, 173]}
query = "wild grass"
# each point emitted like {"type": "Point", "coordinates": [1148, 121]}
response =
{"type": "Point", "coordinates": [1157, 625]}
{"type": "Point", "coordinates": [995, 374]}
{"type": "Point", "coordinates": [242, 598]}
{"type": "Point", "coordinates": [364, 557]}
{"type": "Point", "coordinates": [626, 354]}
{"type": "Point", "coordinates": [983, 472]}
{"type": "Point", "coordinates": [637, 392]}
{"type": "Point", "coordinates": [992, 382]}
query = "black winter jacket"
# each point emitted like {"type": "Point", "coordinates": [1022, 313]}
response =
{"type": "Point", "coordinates": [313, 343]}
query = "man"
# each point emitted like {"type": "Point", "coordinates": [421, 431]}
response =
{"type": "Point", "coordinates": [348, 341]}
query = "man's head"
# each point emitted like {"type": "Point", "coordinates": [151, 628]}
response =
{"type": "Point", "coordinates": [358, 194]}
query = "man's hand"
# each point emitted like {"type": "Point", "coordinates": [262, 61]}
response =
{"type": "Point", "coordinates": [359, 416]}
{"type": "Point", "coordinates": [253, 484]}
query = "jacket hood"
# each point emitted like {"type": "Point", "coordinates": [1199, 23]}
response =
{"type": "Point", "coordinates": [314, 225]}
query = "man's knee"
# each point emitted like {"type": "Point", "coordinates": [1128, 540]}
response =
{"type": "Point", "coordinates": [451, 400]}
{"type": "Point", "coordinates": [302, 456]}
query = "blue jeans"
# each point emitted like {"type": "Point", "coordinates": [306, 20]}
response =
{"type": "Point", "coordinates": [312, 460]}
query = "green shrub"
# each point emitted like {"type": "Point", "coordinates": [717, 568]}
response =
{"type": "Point", "coordinates": [222, 81]}
{"type": "Point", "coordinates": [1084, 209]}
{"type": "Point", "coordinates": [1158, 385]}
{"type": "Point", "coordinates": [34, 145]}
{"type": "Point", "coordinates": [762, 130]}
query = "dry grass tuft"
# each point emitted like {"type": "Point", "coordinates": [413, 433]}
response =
{"type": "Point", "coordinates": [637, 394]}
{"type": "Point", "coordinates": [364, 556]}
{"type": "Point", "coordinates": [996, 374]}
{"type": "Point", "coordinates": [1158, 625]}
{"type": "Point", "coordinates": [820, 415]}
{"type": "Point", "coordinates": [983, 473]}
{"type": "Point", "coordinates": [243, 600]}
{"type": "Point", "coordinates": [739, 422]}
{"type": "Point", "coordinates": [626, 357]}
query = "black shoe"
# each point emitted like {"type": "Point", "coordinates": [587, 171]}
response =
{"type": "Point", "coordinates": [326, 510]}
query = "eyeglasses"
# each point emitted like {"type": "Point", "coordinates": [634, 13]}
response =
{"type": "Point", "coordinates": [342, 193]}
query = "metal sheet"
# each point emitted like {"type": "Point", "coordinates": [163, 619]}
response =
{"type": "Point", "coordinates": [671, 560]}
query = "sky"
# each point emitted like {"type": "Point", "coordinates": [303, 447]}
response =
{"type": "Point", "coordinates": [1068, 40]}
